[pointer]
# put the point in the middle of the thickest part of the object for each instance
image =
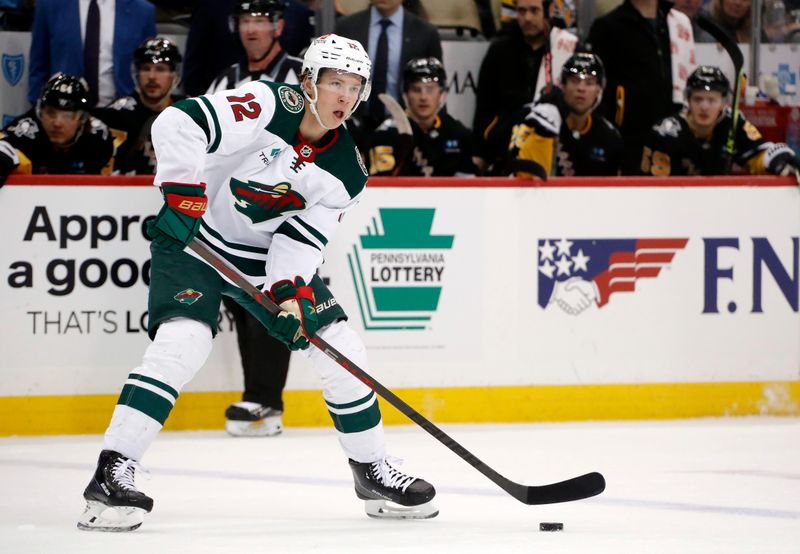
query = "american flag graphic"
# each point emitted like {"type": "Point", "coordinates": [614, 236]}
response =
{"type": "Point", "coordinates": [613, 265]}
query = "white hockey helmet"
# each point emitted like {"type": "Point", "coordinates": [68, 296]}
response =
{"type": "Point", "coordinates": [341, 54]}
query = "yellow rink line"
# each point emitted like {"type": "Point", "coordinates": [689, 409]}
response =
{"type": "Point", "coordinates": [53, 415]}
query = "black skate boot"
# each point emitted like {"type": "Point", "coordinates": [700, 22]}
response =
{"type": "Point", "coordinates": [112, 501]}
{"type": "Point", "coordinates": [250, 419]}
{"type": "Point", "coordinates": [390, 493]}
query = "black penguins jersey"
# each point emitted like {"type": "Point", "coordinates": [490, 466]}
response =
{"type": "Point", "coordinates": [27, 148]}
{"type": "Point", "coordinates": [129, 121]}
{"type": "Point", "coordinates": [594, 150]}
{"type": "Point", "coordinates": [671, 148]}
{"type": "Point", "coordinates": [445, 150]}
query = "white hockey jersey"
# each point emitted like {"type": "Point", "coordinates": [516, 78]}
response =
{"type": "Point", "coordinates": [274, 200]}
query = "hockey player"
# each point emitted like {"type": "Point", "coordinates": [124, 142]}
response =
{"type": "Point", "coordinates": [694, 141]}
{"type": "Point", "coordinates": [440, 145]}
{"type": "Point", "coordinates": [58, 135]}
{"type": "Point", "coordinates": [564, 129]}
{"type": "Point", "coordinates": [260, 24]}
{"type": "Point", "coordinates": [156, 67]}
{"type": "Point", "coordinates": [262, 174]}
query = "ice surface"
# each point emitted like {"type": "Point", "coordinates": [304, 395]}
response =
{"type": "Point", "coordinates": [712, 485]}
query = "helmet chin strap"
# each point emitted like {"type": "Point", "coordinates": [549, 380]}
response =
{"type": "Point", "coordinates": [312, 103]}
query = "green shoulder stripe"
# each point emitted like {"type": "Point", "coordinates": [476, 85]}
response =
{"type": "Point", "coordinates": [217, 129]}
{"type": "Point", "coordinates": [190, 107]}
{"type": "Point", "coordinates": [343, 161]}
{"type": "Point", "coordinates": [289, 106]}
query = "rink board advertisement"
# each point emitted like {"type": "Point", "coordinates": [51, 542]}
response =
{"type": "Point", "coordinates": [463, 294]}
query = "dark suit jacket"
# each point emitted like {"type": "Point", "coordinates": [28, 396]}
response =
{"type": "Point", "coordinates": [56, 41]}
{"type": "Point", "coordinates": [420, 38]}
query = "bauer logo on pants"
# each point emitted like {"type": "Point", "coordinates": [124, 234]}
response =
{"type": "Point", "coordinates": [575, 274]}
{"type": "Point", "coordinates": [398, 268]}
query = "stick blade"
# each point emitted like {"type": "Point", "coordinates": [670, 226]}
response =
{"type": "Point", "coordinates": [577, 488]}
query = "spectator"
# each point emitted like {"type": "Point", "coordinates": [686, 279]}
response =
{"type": "Point", "coordinates": [648, 51]}
{"type": "Point", "coordinates": [157, 72]}
{"type": "Point", "coordinates": [734, 18]}
{"type": "Point", "coordinates": [94, 39]}
{"type": "Point", "coordinates": [693, 142]}
{"type": "Point", "coordinates": [260, 24]}
{"type": "Point", "coordinates": [58, 135]}
{"type": "Point", "coordinates": [211, 45]}
{"type": "Point", "coordinates": [265, 360]}
{"type": "Point", "coordinates": [512, 74]}
{"type": "Point", "coordinates": [393, 37]}
{"type": "Point", "coordinates": [439, 145]}
{"type": "Point", "coordinates": [692, 8]}
{"type": "Point", "coordinates": [780, 21]}
{"type": "Point", "coordinates": [561, 130]}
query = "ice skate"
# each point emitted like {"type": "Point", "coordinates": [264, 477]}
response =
{"type": "Point", "coordinates": [112, 501]}
{"type": "Point", "coordinates": [390, 493]}
{"type": "Point", "coordinates": [250, 419]}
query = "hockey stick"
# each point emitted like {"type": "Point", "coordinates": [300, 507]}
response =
{"type": "Point", "coordinates": [735, 53]}
{"type": "Point", "coordinates": [577, 488]}
{"type": "Point", "coordinates": [405, 140]}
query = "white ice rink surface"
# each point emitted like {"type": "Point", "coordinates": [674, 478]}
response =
{"type": "Point", "coordinates": [716, 485]}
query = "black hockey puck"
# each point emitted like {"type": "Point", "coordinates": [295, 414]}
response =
{"type": "Point", "coordinates": [551, 526]}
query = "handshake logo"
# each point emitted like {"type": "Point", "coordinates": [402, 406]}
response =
{"type": "Point", "coordinates": [575, 274]}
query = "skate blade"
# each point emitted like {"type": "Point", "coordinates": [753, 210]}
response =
{"type": "Point", "coordinates": [99, 517]}
{"type": "Point", "coordinates": [383, 509]}
{"type": "Point", "coordinates": [268, 427]}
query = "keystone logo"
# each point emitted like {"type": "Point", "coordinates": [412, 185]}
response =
{"type": "Point", "coordinates": [397, 271]}
{"type": "Point", "coordinates": [188, 296]}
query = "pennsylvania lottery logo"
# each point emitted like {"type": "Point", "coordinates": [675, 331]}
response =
{"type": "Point", "coordinates": [397, 269]}
{"type": "Point", "coordinates": [577, 273]}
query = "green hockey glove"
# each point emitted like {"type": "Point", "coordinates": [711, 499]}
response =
{"type": "Point", "coordinates": [297, 322]}
{"type": "Point", "coordinates": [179, 218]}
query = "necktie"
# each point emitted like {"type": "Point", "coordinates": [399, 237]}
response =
{"type": "Point", "coordinates": [91, 51]}
{"type": "Point", "coordinates": [381, 68]}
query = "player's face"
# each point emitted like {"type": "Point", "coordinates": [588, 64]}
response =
{"type": "Point", "coordinates": [61, 126]}
{"type": "Point", "coordinates": [530, 16]}
{"type": "Point", "coordinates": [736, 9]}
{"type": "Point", "coordinates": [337, 95]}
{"type": "Point", "coordinates": [424, 99]}
{"type": "Point", "coordinates": [705, 106]}
{"type": "Point", "coordinates": [155, 80]}
{"type": "Point", "coordinates": [581, 94]}
{"type": "Point", "coordinates": [257, 34]}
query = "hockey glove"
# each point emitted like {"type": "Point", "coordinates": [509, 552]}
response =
{"type": "Point", "coordinates": [544, 119]}
{"type": "Point", "coordinates": [297, 322]}
{"type": "Point", "coordinates": [179, 218]}
{"type": "Point", "coordinates": [781, 160]}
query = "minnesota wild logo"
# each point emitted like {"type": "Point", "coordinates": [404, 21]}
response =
{"type": "Point", "coordinates": [188, 296]}
{"type": "Point", "coordinates": [261, 202]}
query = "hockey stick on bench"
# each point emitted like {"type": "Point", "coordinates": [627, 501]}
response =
{"type": "Point", "coordinates": [736, 56]}
{"type": "Point", "coordinates": [577, 488]}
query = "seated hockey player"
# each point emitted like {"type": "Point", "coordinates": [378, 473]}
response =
{"type": "Point", "coordinates": [439, 144]}
{"type": "Point", "coordinates": [561, 134]}
{"type": "Point", "coordinates": [262, 174]}
{"type": "Point", "coordinates": [694, 141]}
{"type": "Point", "coordinates": [156, 66]}
{"type": "Point", "coordinates": [58, 135]}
